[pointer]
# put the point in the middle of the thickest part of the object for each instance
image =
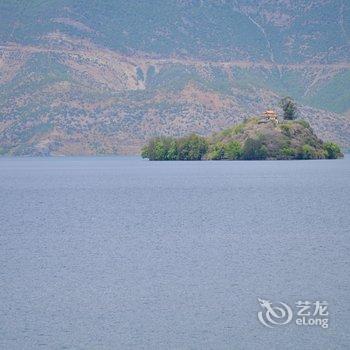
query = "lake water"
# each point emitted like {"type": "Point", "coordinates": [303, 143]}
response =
{"type": "Point", "coordinates": [123, 253]}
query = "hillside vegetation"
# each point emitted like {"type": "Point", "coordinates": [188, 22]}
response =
{"type": "Point", "coordinates": [255, 139]}
{"type": "Point", "coordinates": [99, 77]}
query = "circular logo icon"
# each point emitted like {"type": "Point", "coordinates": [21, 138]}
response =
{"type": "Point", "coordinates": [274, 315]}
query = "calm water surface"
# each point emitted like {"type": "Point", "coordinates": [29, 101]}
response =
{"type": "Point", "coordinates": [122, 253]}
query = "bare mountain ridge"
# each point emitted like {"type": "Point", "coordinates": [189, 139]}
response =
{"type": "Point", "coordinates": [280, 31]}
{"type": "Point", "coordinates": [66, 90]}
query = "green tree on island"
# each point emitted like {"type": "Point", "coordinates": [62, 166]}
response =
{"type": "Point", "coordinates": [254, 149]}
{"type": "Point", "coordinates": [233, 150]}
{"type": "Point", "coordinates": [216, 151]}
{"type": "Point", "coordinates": [332, 150]}
{"type": "Point", "coordinates": [289, 107]}
{"type": "Point", "coordinates": [192, 147]}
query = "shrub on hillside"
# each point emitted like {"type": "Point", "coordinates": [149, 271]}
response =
{"type": "Point", "coordinates": [306, 152]}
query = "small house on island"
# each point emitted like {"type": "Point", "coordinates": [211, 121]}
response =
{"type": "Point", "coordinates": [269, 115]}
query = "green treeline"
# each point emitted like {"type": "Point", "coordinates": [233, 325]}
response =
{"type": "Point", "coordinates": [192, 147]}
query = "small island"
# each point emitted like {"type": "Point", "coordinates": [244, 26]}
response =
{"type": "Point", "coordinates": [258, 138]}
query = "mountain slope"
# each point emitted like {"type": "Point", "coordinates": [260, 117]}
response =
{"type": "Point", "coordinates": [280, 31]}
{"type": "Point", "coordinates": [103, 76]}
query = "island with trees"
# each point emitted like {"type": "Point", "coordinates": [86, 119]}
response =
{"type": "Point", "coordinates": [257, 138]}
